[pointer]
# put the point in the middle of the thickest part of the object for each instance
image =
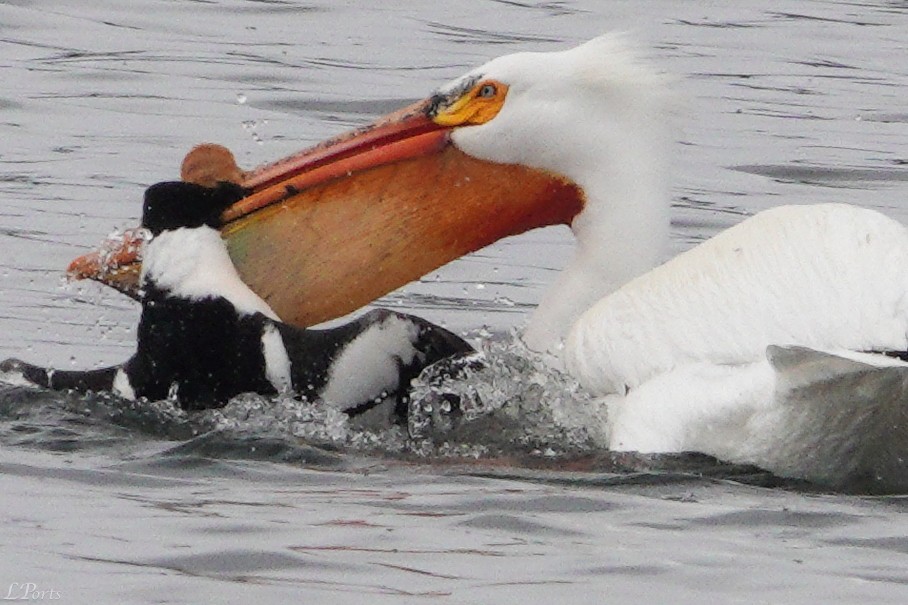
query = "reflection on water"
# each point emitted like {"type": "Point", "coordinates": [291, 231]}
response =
{"type": "Point", "coordinates": [800, 101]}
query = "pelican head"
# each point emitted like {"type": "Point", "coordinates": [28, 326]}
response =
{"type": "Point", "coordinates": [570, 112]}
{"type": "Point", "coordinates": [527, 140]}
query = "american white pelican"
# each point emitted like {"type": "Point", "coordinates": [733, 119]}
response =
{"type": "Point", "coordinates": [775, 343]}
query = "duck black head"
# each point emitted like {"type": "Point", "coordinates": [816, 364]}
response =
{"type": "Point", "coordinates": [175, 204]}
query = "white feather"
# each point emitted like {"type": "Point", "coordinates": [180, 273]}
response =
{"type": "Point", "coordinates": [820, 416]}
{"type": "Point", "coordinates": [277, 361]}
{"type": "Point", "coordinates": [194, 264]}
{"type": "Point", "coordinates": [368, 366]}
{"type": "Point", "coordinates": [825, 277]}
{"type": "Point", "coordinates": [121, 385]}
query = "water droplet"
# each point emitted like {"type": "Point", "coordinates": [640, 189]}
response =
{"type": "Point", "coordinates": [241, 99]}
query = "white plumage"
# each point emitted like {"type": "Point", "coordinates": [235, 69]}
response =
{"type": "Point", "coordinates": [194, 264]}
{"type": "Point", "coordinates": [278, 368]}
{"type": "Point", "coordinates": [704, 352]}
{"type": "Point", "coordinates": [827, 277]}
{"type": "Point", "coordinates": [370, 363]}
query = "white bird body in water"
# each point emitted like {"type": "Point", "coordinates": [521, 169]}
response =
{"type": "Point", "coordinates": [746, 347]}
{"type": "Point", "coordinates": [688, 341]}
{"type": "Point", "coordinates": [763, 345]}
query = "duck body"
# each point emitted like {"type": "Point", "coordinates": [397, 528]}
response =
{"type": "Point", "coordinates": [204, 336]}
{"type": "Point", "coordinates": [206, 351]}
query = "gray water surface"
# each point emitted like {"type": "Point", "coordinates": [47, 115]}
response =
{"type": "Point", "coordinates": [778, 102]}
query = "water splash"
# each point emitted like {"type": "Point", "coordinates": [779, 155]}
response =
{"type": "Point", "coordinates": [252, 128]}
{"type": "Point", "coordinates": [280, 415]}
{"type": "Point", "coordinates": [505, 399]}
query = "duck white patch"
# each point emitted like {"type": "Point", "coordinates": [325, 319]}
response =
{"type": "Point", "coordinates": [369, 366]}
{"type": "Point", "coordinates": [122, 387]}
{"type": "Point", "coordinates": [194, 264]}
{"type": "Point", "coordinates": [277, 362]}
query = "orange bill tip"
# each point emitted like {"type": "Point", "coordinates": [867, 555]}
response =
{"type": "Point", "coordinates": [116, 263]}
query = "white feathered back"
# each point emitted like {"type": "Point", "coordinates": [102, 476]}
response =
{"type": "Point", "coordinates": [826, 276]}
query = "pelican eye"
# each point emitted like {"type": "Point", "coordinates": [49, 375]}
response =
{"type": "Point", "coordinates": [487, 91]}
